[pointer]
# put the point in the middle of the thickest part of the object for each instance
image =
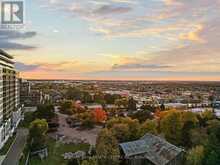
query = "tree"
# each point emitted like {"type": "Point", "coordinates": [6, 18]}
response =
{"type": "Point", "coordinates": [89, 162]}
{"type": "Point", "coordinates": [206, 116]}
{"type": "Point", "coordinates": [212, 148]}
{"type": "Point", "coordinates": [195, 156]}
{"type": "Point", "coordinates": [171, 125]}
{"type": "Point", "coordinates": [149, 126]}
{"type": "Point", "coordinates": [110, 99]}
{"type": "Point", "coordinates": [190, 117]}
{"type": "Point", "coordinates": [198, 136]}
{"type": "Point", "coordinates": [142, 115]}
{"type": "Point", "coordinates": [113, 111]}
{"type": "Point", "coordinates": [162, 107]}
{"type": "Point", "coordinates": [190, 121]}
{"type": "Point", "coordinates": [133, 125]}
{"type": "Point", "coordinates": [66, 107]}
{"type": "Point", "coordinates": [148, 107]}
{"type": "Point", "coordinates": [45, 111]}
{"type": "Point", "coordinates": [107, 148]}
{"type": "Point", "coordinates": [213, 126]}
{"type": "Point", "coordinates": [212, 158]}
{"type": "Point", "coordinates": [87, 119]}
{"type": "Point", "coordinates": [86, 98]}
{"type": "Point", "coordinates": [99, 98]}
{"type": "Point", "coordinates": [73, 162]}
{"type": "Point", "coordinates": [80, 109]}
{"type": "Point", "coordinates": [132, 104]}
{"type": "Point", "coordinates": [37, 134]}
{"type": "Point", "coordinates": [73, 94]}
{"type": "Point", "coordinates": [121, 132]}
{"type": "Point", "coordinates": [99, 115]}
{"type": "Point", "coordinates": [211, 98]}
{"type": "Point", "coordinates": [121, 103]}
{"type": "Point", "coordinates": [28, 118]}
{"type": "Point", "coordinates": [162, 114]}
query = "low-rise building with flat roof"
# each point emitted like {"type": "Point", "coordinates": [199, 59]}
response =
{"type": "Point", "coordinates": [151, 150]}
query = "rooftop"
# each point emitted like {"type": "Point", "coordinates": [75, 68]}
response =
{"type": "Point", "coordinates": [5, 54]}
{"type": "Point", "coordinates": [154, 148]}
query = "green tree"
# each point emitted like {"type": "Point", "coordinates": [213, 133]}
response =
{"type": "Point", "coordinates": [195, 156]}
{"type": "Point", "coordinates": [107, 148]}
{"type": "Point", "coordinates": [45, 111]}
{"type": "Point", "coordinates": [37, 134]}
{"type": "Point", "coordinates": [66, 107]}
{"type": "Point", "coordinates": [206, 116]}
{"type": "Point", "coordinates": [121, 103]}
{"type": "Point", "coordinates": [212, 158]}
{"type": "Point", "coordinates": [148, 107]}
{"type": "Point", "coordinates": [133, 125]}
{"type": "Point", "coordinates": [213, 126]}
{"type": "Point", "coordinates": [99, 97]}
{"type": "Point", "coordinates": [132, 104]}
{"type": "Point", "coordinates": [110, 99]}
{"type": "Point", "coordinates": [73, 162]}
{"type": "Point", "coordinates": [149, 126]}
{"type": "Point", "coordinates": [213, 148]}
{"type": "Point", "coordinates": [86, 97]}
{"type": "Point", "coordinates": [171, 125]}
{"type": "Point", "coordinates": [142, 115]}
{"type": "Point", "coordinates": [121, 132]}
{"type": "Point", "coordinates": [198, 136]}
{"type": "Point", "coordinates": [190, 121]}
{"type": "Point", "coordinates": [73, 94]}
{"type": "Point", "coordinates": [87, 120]}
{"type": "Point", "coordinates": [89, 162]}
{"type": "Point", "coordinates": [190, 117]}
{"type": "Point", "coordinates": [162, 107]}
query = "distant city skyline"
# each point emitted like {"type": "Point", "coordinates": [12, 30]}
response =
{"type": "Point", "coordinates": [118, 40]}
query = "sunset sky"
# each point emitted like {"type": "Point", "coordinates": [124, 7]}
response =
{"type": "Point", "coordinates": [118, 39]}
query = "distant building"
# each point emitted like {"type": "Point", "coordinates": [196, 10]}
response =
{"type": "Point", "coordinates": [216, 107]}
{"type": "Point", "coordinates": [92, 107]}
{"type": "Point", "coordinates": [124, 93]}
{"type": "Point", "coordinates": [31, 96]}
{"type": "Point", "coordinates": [10, 109]}
{"type": "Point", "coordinates": [176, 105]}
{"type": "Point", "coordinates": [200, 110]}
{"type": "Point", "coordinates": [111, 106]}
{"type": "Point", "coordinates": [24, 91]}
{"type": "Point", "coordinates": [78, 104]}
{"type": "Point", "coordinates": [151, 150]}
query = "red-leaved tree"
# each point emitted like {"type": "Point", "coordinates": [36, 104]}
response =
{"type": "Point", "coordinates": [99, 115]}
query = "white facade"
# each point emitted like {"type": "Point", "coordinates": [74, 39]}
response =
{"type": "Point", "coordinates": [10, 110]}
{"type": "Point", "coordinates": [1, 96]}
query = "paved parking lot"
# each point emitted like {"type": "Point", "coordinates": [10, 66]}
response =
{"type": "Point", "coordinates": [72, 133]}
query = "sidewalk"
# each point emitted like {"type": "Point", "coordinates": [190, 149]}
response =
{"type": "Point", "coordinates": [13, 156]}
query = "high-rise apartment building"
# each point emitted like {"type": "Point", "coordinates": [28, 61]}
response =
{"type": "Point", "coordinates": [10, 109]}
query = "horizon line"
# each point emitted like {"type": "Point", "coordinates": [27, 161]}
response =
{"type": "Point", "coordinates": [36, 79]}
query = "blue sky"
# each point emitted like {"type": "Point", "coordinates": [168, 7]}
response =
{"type": "Point", "coordinates": [118, 39]}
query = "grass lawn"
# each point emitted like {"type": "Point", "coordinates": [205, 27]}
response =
{"type": "Point", "coordinates": [56, 149]}
{"type": "Point", "coordinates": [7, 145]}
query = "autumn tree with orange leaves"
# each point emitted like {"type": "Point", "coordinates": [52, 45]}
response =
{"type": "Point", "coordinates": [99, 115]}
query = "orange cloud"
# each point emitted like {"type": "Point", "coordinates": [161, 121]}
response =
{"type": "Point", "coordinates": [169, 2]}
{"type": "Point", "coordinates": [193, 35]}
{"type": "Point", "coordinates": [172, 2]}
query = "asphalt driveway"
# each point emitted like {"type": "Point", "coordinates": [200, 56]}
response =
{"type": "Point", "coordinates": [13, 156]}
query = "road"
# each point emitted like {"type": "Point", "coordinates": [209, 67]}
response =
{"type": "Point", "coordinates": [13, 156]}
